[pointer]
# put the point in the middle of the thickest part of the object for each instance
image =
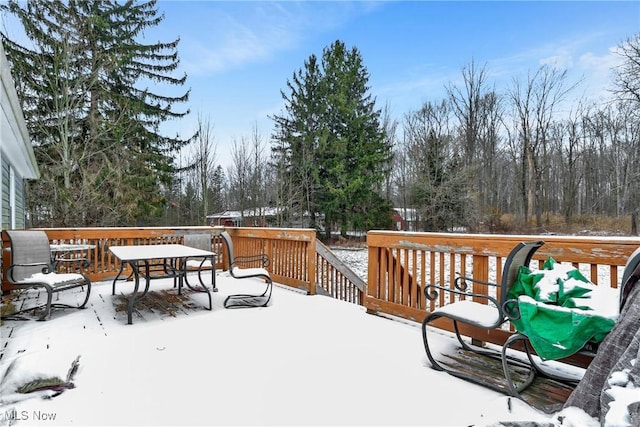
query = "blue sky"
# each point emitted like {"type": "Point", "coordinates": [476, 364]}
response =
{"type": "Point", "coordinates": [239, 55]}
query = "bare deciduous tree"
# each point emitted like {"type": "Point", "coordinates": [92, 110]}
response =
{"type": "Point", "coordinates": [247, 176]}
{"type": "Point", "coordinates": [627, 75]}
{"type": "Point", "coordinates": [205, 161]}
{"type": "Point", "coordinates": [535, 102]}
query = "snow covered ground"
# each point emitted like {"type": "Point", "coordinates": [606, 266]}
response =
{"type": "Point", "coordinates": [618, 414]}
{"type": "Point", "coordinates": [355, 258]}
{"type": "Point", "coordinates": [304, 360]}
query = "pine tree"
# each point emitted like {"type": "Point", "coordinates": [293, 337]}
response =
{"type": "Point", "coordinates": [356, 151]}
{"type": "Point", "coordinates": [332, 140]}
{"type": "Point", "coordinates": [297, 135]}
{"type": "Point", "coordinates": [95, 130]}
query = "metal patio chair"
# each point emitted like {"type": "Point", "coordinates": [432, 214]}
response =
{"type": "Point", "coordinates": [490, 315]}
{"type": "Point", "coordinates": [200, 241]}
{"type": "Point", "coordinates": [237, 271]}
{"type": "Point", "coordinates": [630, 278]}
{"type": "Point", "coordinates": [33, 267]}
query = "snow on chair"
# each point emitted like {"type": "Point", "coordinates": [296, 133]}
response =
{"type": "Point", "coordinates": [559, 313]}
{"type": "Point", "coordinates": [32, 267]}
{"type": "Point", "coordinates": [238, 272]}
{"type": "Point", "coordinates": [467, 309]}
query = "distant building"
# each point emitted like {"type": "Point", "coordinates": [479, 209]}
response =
{"type": "Point", "coordinates": [258, 217]}
{"type": "Point", "coordinates": [398, 221]}
{"type": "Point", "coordinates": [405, 219]}
{"type": "Point", "coordinates": [225, 219]}
{"type": "Point", "coordinates": [17, 160]}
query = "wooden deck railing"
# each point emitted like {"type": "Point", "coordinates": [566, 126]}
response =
{"type": "Point", "coordinates": [401, 264]}
{"type": "Point", "coordinates": [336, 279]}
{"type": "Point", "coordinates": [299, 260]}
{"type": "Point", "coordinates": [291, 251]}
{"type": "Point", "coordinates": [103, 264]}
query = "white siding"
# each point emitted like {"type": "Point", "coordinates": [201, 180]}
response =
{"type": "Point", "coordinates": [17, 159]}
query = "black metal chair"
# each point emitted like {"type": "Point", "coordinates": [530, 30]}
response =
{"type": "Point", "coordinates": [200, 264]}
{"type": "Point", "coordinates": [33, 267]}
{"type": "Point", "coordinates": [471, 311]}
{"type": "Point", "coordinates": [630, 275]}
{"type": "Point", "coordinates": [237, 271]}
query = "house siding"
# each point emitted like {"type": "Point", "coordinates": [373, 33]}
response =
{"type": "Point", "coordinates": [5, 203]}
{"type": "Point", "coordinates": [17, 159]}
{"type": "Point", "coordinates": [19, 204]}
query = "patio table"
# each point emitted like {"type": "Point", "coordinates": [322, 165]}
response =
{"type": "Point", "coordinates": [70, 247]}
{"type": "Point", "coordinates": [173, 261]}
{"type": "Point", "coordinates": [70, 252]}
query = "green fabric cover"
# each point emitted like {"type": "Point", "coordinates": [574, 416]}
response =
{"type": "Point", "coordinates": [554, 311]}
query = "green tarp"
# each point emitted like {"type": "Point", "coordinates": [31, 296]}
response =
{"type": "Point", "coordinates": [555, 311]}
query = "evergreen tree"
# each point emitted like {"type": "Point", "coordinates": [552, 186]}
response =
{"type": "Point", "coordinates": [217, 202]}
{"type": "Point", "coordinates": [95, 129]}
{"type": "Point", "coordinates": [297, 135]}
{"type": "Point", "coordinates": [355, 151]}
{"type": "Point", "coordinates": [331, 137]}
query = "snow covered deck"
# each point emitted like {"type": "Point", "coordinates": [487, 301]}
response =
{"type": "Point", "coordinates": [304, 360]}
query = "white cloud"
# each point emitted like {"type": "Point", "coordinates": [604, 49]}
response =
{"type": "Point", "coordinates": [562, 60]}
{"type": "Point", "coordinates": [232, 43]}
{"type": "Point", "coordinates": [597, 70]}
{"type": "Point", "coordinates": [599, 64]}
{"type": "Point", "coordinates": [258, 32]}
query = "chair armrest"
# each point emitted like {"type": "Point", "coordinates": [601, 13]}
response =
{"type": "Point", "coordinates": [45, 269]}
{"type": "Point", "coordinates": [431, 293]}
{"type": "Point", "coordinates": [263, 259]}
{"type": "Point", "coordinates": [460, 287]}
{"type": "Point", "coordinates": [460, 282]}
{"type": "Point", "coordinates": [511, 309]}
{"type": "Point", "coordinates": [200, 259]}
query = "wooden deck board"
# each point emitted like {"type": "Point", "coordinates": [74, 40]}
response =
{"type": "Point", "coordinates": [544, 394]}
{"type": "Point", "coordinates": [159, 304]}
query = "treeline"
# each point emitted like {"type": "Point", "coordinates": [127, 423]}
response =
{"type": "Point", "coordinates": [333, 160]}
{"type": "Point", "coordinates": [529, 153]}
{"type": "Point", "coordinates": [90, 89]}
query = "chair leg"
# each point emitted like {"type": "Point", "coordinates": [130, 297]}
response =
{"type": "Point", "coordinates": [435, 365]}
{"type": "Point", "coordinates": [536, 368]}
{"type": "Point", "coordinates": [49, 305]}
{"type": "Point", "coordinates": [460, 374]}
{"type": "Point", "coordinates": [203, 288]}
{"type": "Point", "coordinates": [433, 316]}
{"type": "Point", "coordinates": [47, 310]}
{"type": "Point", "coordinates": [515, 390]}
{"type": "Point", "coordinates": [248, 300]}
{"type": "Point", "coordinates": [86, 298]}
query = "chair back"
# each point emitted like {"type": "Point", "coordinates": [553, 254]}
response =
{"type": "Point", "coordinates": [519, 256]}
{"type": "Point", "coordinates": [29, 247]}
{"type": "Point", "coordinates": [229, 245]}
{"type": "Point", "coordinates": [630, 276]}
{"type": "Point", "coordinates": [198, 241]}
